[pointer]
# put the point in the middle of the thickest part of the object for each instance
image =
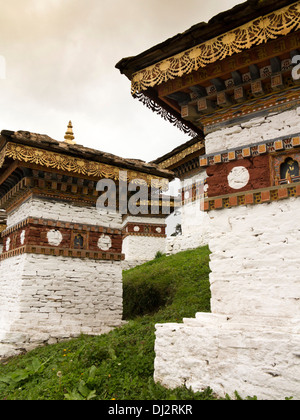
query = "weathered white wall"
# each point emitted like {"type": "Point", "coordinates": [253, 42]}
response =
{"type": "Point", "coordinates": [257, 356]}
{"type": "Point", "coordinates": [46, 209]}
{"type": "Point", "coordinates": [255, 259]}
{"type": "Point", "coordinates": [140, 249]}
{"type": "Point", "coordinates": [194, 223]}
{"type": "Point", "coordinates": [250, 342]}
{"type": "Point", "coordinates": [254, 131]}
{"type": "Point", "coordinates": [48, 298]}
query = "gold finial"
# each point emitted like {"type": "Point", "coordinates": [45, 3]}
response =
{"type": "Point", "coordinates": [69, 137]}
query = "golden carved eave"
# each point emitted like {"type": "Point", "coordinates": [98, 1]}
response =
{"type": "Point", "coordinates": [256, 32]}
{"type": "Point", "coordinates": [173, 160]}
{"type": "Point", "coordinates": [77, 166]}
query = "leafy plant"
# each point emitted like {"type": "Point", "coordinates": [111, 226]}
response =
{"type": "Point", "coordinates": [21, 375]}
{"type": "Point", "coordinates": [159, 254]}
{"type": "Point", "coordinates": [83, 392]}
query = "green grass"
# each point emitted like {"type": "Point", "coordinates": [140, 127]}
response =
{"type": "Point", "coordinates": [118, 365]}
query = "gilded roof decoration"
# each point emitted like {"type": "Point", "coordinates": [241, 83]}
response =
{"type": "Point", "coordinates": [166, 164]}
{"type": "Point", "coordinates": [256, 32]}
{"type": "Point", "coordinates": [69, 136]}
{"type": "Point", "coordinates": [57, 161]}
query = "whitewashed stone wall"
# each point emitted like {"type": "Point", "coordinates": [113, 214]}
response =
{"type": "Point", "coordinates": [47, 298]}
{"type": "Point", "coordinates": [255, 357]}
{"type": "Point", "coordinates": [194, 224]}
{"type": "Point", "coordinates": [250, 342]}
{"type": "Point", "coordinates": [46, 209]}
{"type": "Point", "coordinates": [254, 131]}
{"type": "Point", "coordinates": [141, 249]}
{"type": "Point", "coordinates": [255, 259]}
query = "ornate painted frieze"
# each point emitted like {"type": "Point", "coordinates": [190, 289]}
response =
{"type": "Point", "coordinates": [254, 174]}
{"type": "Point", "coordinates": [247, 151]}
{"type": "Point", "coordinates": [260, 196]}
{"type": "Point", "coordinates": [144, 229]}
{"type": "Point", "coordinates": [193, 192]}
{"type": "Point", "coordinates": [256, 32]}
{"type": "Point", "coordinates": [256, 107]}
{"type": "Point", "coordinates": [49, 237]}
{"type": "Point", "coordinates": [70, 164]}
{"type": "Point", "coordinates": [175, 159]}
{"type": "Point", "coordinates": [46, 184]}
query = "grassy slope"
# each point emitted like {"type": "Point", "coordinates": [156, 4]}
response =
{"type": "Point", "coordinates": [118, 365]}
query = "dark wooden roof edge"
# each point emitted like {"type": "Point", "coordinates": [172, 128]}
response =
{"type": "Point", "coordinates": [156, 104]}
{"type": "Point", "coordinates": [177, 150]}
{"type": "Point", "coordinates": [47, 143]}
{"type": "Point", "coordinates": [201, 32]}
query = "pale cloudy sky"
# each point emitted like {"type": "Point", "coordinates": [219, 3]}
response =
{"type": "Point", "coordinates": [60, 58]}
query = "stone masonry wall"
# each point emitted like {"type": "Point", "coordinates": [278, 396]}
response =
{"type": "Point", "coordinates": [140, 247]}
{"type": "Point", "coordinates": [46, 209]}
{"type": "Point", "coordinates": [250, 342]}
{"type": "Point", "coordinates": [254, 131]}
{"type": "Point", "coordinates": [46, 298]}
{"type": "Point", "coordinates": [193, 222]}
{"type": "Point", "coordinates": [255, 259]}
{"type": "Point", "coordinates": [194, 229]}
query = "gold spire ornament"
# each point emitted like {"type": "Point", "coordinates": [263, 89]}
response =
{"type": "Point", "coordinates": [69, 137]}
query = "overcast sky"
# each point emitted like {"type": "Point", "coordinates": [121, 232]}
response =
{"type": "Point", "coordinates": [60, 58]}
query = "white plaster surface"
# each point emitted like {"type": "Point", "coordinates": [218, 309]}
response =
{"type": "Point", "coordinates": [255, 259]}
{"type": "Point", "coordinates": [7, 244]}
{"type": "Point", "coordinates": [194, 225]}
{"type": "Point", "coordinates": [104, 242]}
{"type": "Point", "coordinates": [255, 357]}
{"type": "Point", "coordinates": [140, 249]}
{"type": "Point", "coordinates": [59, 211]}
{"type": "Point", "coordinates": [250, 343]}
{"type": "Point", "coordinates": [238, 177]}
{"type": "Point", "coordinates": [54, 237]}
{"type": "Point", "coordinates": [22, 237]}
{"type": "Point", "coordinates": [47, 298]}
{"type": "Point", "coordinates": [194, 222]}
{"type": "Point", "coordinates": [254, 131]}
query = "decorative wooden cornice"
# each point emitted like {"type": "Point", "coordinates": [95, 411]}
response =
{"type": "Point", "coordinates": [59, 225]}
{"type": "Point", "coordinates": [166, 113]}
{"type": "Point", "coordinates": [173, 160]}
{"type": "Point", "coordinates": [157, 230]}
{"type": "Point", "coordinates": [256, 32]}
{"type": "Point", "coordinates": [279, 102]}
{"type": "Point", "coordinates": [59, 252]}
{"type": "Point", "coordinates": [70, 164]}
{"type": "Point", "coordinates": [77, 240]}
{"type": "Point", "coordinates": [261, 196]}
{"type": "Point", "coordinates": [267, 146]}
